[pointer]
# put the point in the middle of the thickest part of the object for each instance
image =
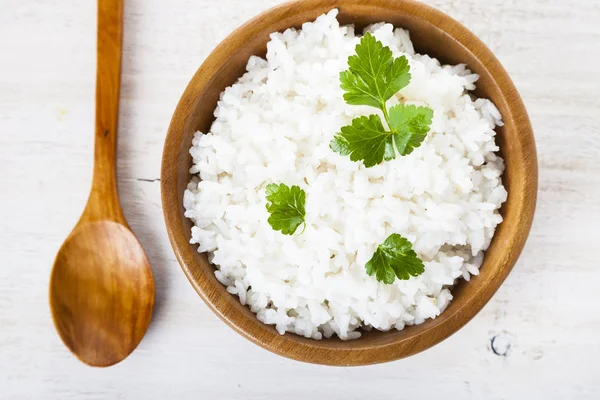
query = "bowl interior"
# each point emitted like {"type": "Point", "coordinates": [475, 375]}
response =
{"type": "Point", "coordinates": [433, 33]}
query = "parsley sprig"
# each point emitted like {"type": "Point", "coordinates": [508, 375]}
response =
{"type": "Point", "coordinates": [286, 206]}
{"type": "Point", "coordinates": [373, 77]}
{"type": "Point", "coordinates": [394, 258]}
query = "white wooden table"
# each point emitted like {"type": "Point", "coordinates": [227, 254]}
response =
{"type": "Point", "coordinates": [544, 321]}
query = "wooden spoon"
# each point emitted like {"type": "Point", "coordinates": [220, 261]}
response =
{"type": "Point", "coordinates": [101, 287]}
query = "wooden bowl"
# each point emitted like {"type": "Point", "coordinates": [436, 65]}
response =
{"type": "Point", "coordinates": [433, 33]}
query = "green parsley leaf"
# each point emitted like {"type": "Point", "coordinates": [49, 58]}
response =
{"type": "Point", "coordinates": [410, 125]}
{"type": "Point", "coordinates": [393, 259]}
{"type": "Point", "coordinates": [286, 206]}
{"type": "Point", "coordinates": [366, 140]}
{"type": "Point", "coordinates": [374, 75]}
{"type": "Point", "coordinates": [372, 78]}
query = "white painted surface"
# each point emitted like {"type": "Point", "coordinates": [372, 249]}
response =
{"type": "Point", "coordinates": [546, 313]}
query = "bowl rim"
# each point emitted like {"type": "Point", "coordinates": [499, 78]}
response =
{"type": "Point", "coordinates": [310, 350]}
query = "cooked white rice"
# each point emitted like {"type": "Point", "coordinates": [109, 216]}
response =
{"type": "Point", "coordinates": [274, 126]}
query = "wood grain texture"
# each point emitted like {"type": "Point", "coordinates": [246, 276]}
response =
{"type": "Point", "coordinates": [432, 33]}
{"type": "Point", "coordinates": [101, 285]}
{"type": "Point", "coordinates": [543, 319]}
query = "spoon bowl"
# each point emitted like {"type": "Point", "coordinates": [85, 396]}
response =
{"type": "Point", "coordinates": [101, 292]}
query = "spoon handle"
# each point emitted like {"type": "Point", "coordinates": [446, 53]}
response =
{"type": "Point", "coordinates": [103, 202]}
